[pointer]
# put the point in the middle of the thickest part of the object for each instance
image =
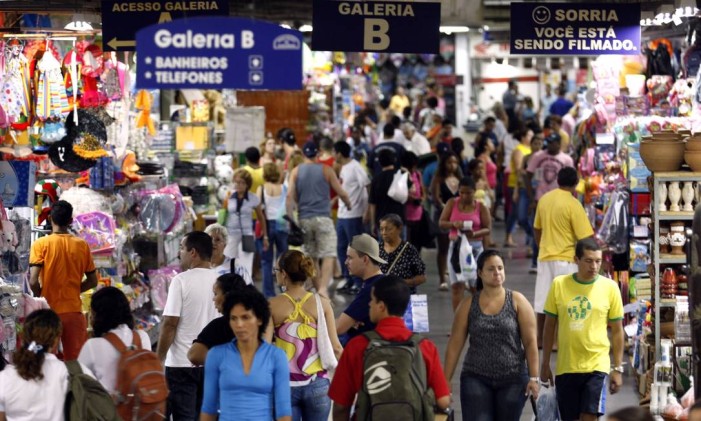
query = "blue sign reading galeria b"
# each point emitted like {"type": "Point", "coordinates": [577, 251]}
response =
{"type": "Point", "coordinates": [575, 28]}
{"type": "Point", "coordinates": [218, 53]}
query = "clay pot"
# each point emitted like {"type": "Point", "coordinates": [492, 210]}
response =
{"type": "Point", "coordinates": [684, 132]}
{"type": "Point", "coordinates": [693, 145]}
{"type": "Point", "coordinates": [693, 159]}
{"type": "Point", "coordinates": [666, 136]}
{"type": "Point", "coordinates": [662, 155]}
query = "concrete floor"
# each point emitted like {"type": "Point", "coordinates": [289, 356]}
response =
{"type": "Point", "coordinates": [517, 278]}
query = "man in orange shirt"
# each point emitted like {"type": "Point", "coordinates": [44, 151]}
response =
{"type": "Point", "coordinates": [60, 260]}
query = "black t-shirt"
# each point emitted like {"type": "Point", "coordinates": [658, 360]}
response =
{"type": "Point", "coordinates": [217, 332]}
{"type": "Point", "coordinates": [384, 204]}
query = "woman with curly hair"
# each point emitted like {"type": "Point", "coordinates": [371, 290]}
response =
{"type": "Point", "coordinates": [110, 314]}
{"type": "Point", "coordinates": [296, 323]}
{"type": "Point", "coordinates": [247, 378]}
{"type": "Point", "coordinates": [36, 372]}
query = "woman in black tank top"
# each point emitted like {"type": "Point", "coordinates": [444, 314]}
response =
{"type": "Point", "coordinates": [443, 187]}
{"type": "Point", "coordinates": [494, 385]}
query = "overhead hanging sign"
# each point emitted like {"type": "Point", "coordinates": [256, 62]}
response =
{"type": "Point", "coordinates": [218, 53]}
{"type": "Point", "coordinates": [575, 28]}
{"type": "Point", "coordinates": [122, 18]}
{"type": "Point", "coordinates": [376, 26]}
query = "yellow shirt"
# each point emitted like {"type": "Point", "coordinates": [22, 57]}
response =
{"type": "Point", "coordinates": [398, 103]}
{"type": "Point", "coordinates": [257, 176]}
{"type": "Point", "coordinates": [583, 311]}
{"type": "Point", "coordinates": [513, 175]}
{"type": "Point", "coordinates": [564, 141]}
{"type": "Point", "coordinates": [562, 221]}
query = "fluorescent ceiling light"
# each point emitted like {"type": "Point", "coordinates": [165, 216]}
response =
{"type": "Point", "coordinates": [286, 26]}
{"type": "Point", "coordinates": [305, 28]}
{"type": "Point", "coordinates": [454, 29]}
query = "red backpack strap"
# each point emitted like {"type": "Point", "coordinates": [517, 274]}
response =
{"type": "Point", "coordinates": [115, 341]}
{"type": "Point", "coordinates": [137, 340]}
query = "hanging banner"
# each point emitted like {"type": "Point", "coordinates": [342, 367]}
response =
{"type": "Point", "coordinates": [122, 18]}
{"type": "Point", "coordinates": [376, 26]}
{"type": "Point", "coordinates": [575, 28]}
{"type": "Point", "coordinates": [219, 53]}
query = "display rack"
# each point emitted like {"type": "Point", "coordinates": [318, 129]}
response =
{"type": "Point", "coordinates": [659, 215]}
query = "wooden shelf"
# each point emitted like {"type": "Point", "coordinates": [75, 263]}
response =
{"type": "Point", "coordinates": [676, 175]}
{"type": "Point", "coordinates": [670, 259]}
{"type": "Point", "coordinates": [676, 216]}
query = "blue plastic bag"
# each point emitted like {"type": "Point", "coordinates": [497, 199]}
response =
{"type": "Point", "coordinates": [546, 405]}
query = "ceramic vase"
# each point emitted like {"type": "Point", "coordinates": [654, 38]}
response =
{"type": "Point", "coordinates": [669, 283]}
{"type": "Point", "coordinates": [677, 238]}
{"type": "Point", "coordinates": [697, 192]}
{"type": "Point", "coordinates": [688, 196]}
{"type": "Point", "coordinates": [675, 194]}
{"type": "Point", "coordinates": [662, 197]}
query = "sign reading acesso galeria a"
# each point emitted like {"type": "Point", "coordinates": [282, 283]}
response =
{"type": "Point", "coordinates": [575, 29]}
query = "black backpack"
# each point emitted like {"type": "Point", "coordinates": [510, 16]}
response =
{"type": "Point", "coordinates": [394, 382]}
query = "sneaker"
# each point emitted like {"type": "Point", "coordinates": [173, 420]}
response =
{"type": "Point", "coordinates": [443, 287]}
{"type": "Point", "coordinates": [533, 269]}
{"type": "Point", "coordinates": [355, 289]}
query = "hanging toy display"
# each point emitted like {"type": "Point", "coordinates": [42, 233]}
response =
{"type": "Point", "coordinates": [14, 96]}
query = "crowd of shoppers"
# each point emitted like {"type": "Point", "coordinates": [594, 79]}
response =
{"type": "Point", "coordinates": [231, 352]}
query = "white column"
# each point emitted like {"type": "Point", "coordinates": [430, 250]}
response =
{"type": "Point", "coordinates": [463, 92]}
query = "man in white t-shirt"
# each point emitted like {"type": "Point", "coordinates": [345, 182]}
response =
{"type": "Point", "coordinates": [416, 142]}
{"type": "Point", "coordinates": [189, 308]}
{"type": "Point", "coordinates": [355, 182]}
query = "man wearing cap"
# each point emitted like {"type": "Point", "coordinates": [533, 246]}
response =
{"type": "Point", "coordinates": [363, 260]}
{"type": "Point", "coordinates": [309, 196]}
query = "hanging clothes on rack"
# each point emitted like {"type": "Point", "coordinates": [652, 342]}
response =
{"type": "Point", "coordinates": [14, 95]}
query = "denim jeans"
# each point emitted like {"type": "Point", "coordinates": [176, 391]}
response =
{"type": "Point", "coordinates": [519, 213]}
{"type": "Point", "coordinates": [185, 397]}
{"type": "Point", "coordinates": [311, 402]}
{"type": "Point", "coordinates": [492, 400]}
{"type": "Point", "coordinates": [277, 238]}
{"type": "Point", "coordinates": [346, 229]}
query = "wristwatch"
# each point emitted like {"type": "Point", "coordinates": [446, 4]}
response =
{"type": "Point", "coordinates": [618, 368]}
{"type": "Point", "coordinates": [534, 379]}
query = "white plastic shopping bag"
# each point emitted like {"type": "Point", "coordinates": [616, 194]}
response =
{"type": "Point", "coordinates": [462, 266]}
{"type": "Point", "coordinates": [546, 405]}
{"type": "Point", "coordinates": [399, 189]}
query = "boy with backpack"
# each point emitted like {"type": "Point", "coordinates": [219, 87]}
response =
{"type": "Point", "coordinates": [396, 374]}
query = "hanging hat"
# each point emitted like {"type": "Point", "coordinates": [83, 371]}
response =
{"type": "Point", "coordinates": [83, 144]}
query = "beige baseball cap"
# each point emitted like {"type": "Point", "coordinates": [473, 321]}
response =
{"type": "Point", "coordinates": [366, 244]}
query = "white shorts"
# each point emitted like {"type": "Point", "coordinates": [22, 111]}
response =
{"type": "Point", "coordinates": [547, 271]}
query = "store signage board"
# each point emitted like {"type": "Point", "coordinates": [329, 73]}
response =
{"type": "Point", "coordinates": [121, 19]}
{"type": "Point", "coordinates": [219, 53]}
{"type": "Point", "coordinates": [376, 26]}
{"type": "Point", "coordinates": [575, 28]}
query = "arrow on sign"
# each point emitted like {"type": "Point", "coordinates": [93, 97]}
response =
{"type": "Point", "coordinates": [115, 43]}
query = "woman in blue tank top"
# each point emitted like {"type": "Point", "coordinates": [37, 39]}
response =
{"type": "Point", "coordinates": [494, 385]}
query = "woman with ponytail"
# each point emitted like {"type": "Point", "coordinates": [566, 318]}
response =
{"type": "Point", "coordinates": [494, 385]}
{"type": "Point", "coordinates": [36, 372]}
{"type": "Point", "coordinates": [295, 319]}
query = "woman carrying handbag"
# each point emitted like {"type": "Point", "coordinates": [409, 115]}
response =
{"type": "Point", "coordinates": [296, 320]}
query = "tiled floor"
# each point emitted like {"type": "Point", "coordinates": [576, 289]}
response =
{"type": "Point", "coordinates": [517, 278]}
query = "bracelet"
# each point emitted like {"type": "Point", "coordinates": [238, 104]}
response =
{"type": "Point", "coordinates": [534, 379]}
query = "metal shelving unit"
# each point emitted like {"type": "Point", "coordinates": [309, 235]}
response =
{"type": "Point", "coordinates": [666, 259]}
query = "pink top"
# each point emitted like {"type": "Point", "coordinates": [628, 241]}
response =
{"type": "Point", "coordinates": [491, 169]}
{"type": "Point", "coordinates": [413, 212]}
{"type": "Point", "coordinates": [545, 167]}
{"type": "Point", "coordinates": [457, 215]}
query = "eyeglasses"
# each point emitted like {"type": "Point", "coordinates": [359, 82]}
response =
{"type": "Point", "coordinates": [276, 270]}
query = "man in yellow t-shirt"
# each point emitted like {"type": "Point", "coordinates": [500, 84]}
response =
{"type": "Point", "coordinates": [583, 305]}
{"type": "Point", "coordinates": [560, 221]}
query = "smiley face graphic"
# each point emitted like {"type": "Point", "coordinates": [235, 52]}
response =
{"type": "Point", "coordinates": [541, 15]}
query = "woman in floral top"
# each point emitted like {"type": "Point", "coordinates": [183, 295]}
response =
{"type": "Point", "coordinates": [402, 258]}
